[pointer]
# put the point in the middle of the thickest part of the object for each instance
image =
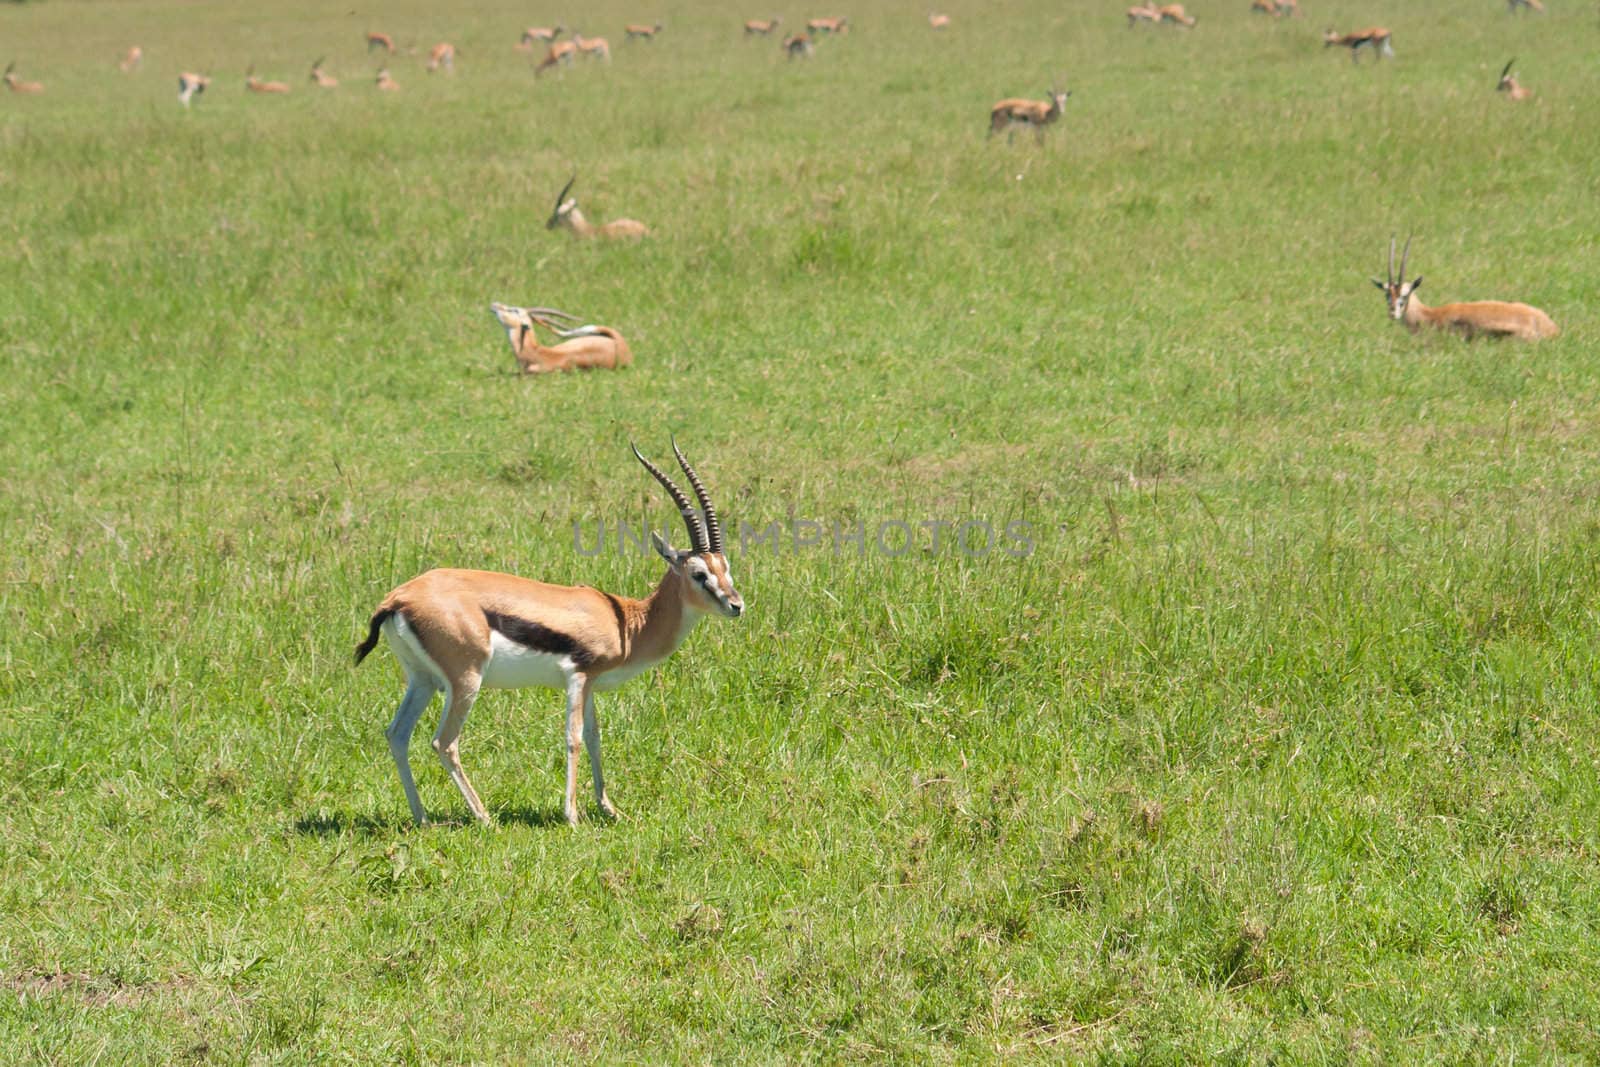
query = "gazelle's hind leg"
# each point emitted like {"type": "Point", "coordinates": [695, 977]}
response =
{"type": "Point", "coordinates": [458, 702]}
{"type": "Point", "coordinates": [419, 693]}
{"type": "Point", "coordinates": [591, 741]}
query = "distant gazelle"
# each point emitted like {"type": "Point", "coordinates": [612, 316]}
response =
{"type": "Point", "coordinates": [1014, 111]}
{"type": "Point", "coordinates": [640, 32]}
{"type": "Point", "coordinates": [836, 25]}
{"type": "Point", "coordinates": [190, 86]}
{"type": "Point", "coordinates": [322, 78]}
{"type": "Point", "coordinates": [797, 45]}
{"type": "Point", "coordinates": [567, 214]}
{"type": "Point", "coordinates": [1511, 87]}
{"type": "Point", "coordinates": [17, 85]}
{"type": "Point", "coordinates": [1491, 318]}
{"type": "Point", "coordinates": [1375, 38]}
{"type": "Point", "coordinates": [593, 47]}
{"type": "Point", "coordinates": [256, 85]}
{"type": "Point", "coordinates": [1288, 7]}
{"type": "Point", "coordinates": [442, 56]}
{"type": "Point", "coordinates": [760, 27]}
{"type": "Point", "coordinates": [1173, 14]}
{"type": "Point", "coordinates": [131, 60]}
{"type": "Point", "coordinates": [938, 22]}
{"type": "Point", "coordinates": [544, 34]}
{"type": "Point", "coordinates": [385, 83]}
{"type": "Point", "coordinates": [1148, 12]}
{"type": "Point", "coordinates": [1532, 5]}
{"type": "Point", "coordinates": [376, 40]}
{"type": "Point", "coordinates": [561, 52]}
{"type": "Point", "coordinates": [582, 347]}
{"type": "Point", "coordinates": [462, 631]}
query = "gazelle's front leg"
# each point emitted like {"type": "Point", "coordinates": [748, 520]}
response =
{"type": "Point", "coordinates": [577, 695]}
{"type": "Point", "coordinates": [591, 741]}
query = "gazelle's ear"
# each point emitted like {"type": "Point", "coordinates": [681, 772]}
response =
{"type": "Point", "coordinates": [1380, 285]}
{"type": "Point", "coordinates": [1416, 284]}
{"type": "Point", "coordinates": [673, 557]}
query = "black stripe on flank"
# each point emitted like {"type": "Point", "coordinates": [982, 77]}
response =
{"type": "Point", "coordinates": [538, 637]}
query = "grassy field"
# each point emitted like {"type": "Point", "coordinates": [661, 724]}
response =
{"type": "Point", "coordinates": [1280, 745]}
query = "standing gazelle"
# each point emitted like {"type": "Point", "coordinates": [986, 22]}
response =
{"type": "Point", "coordinates": [760, 27]}
{"type": "Point", "coordinates": [1532, 5]}
{"type": "Point", "coordinates": [460, 631]}
{"type": "Point", "coordinates": [1510, 86]}
{"type": "Point", "coordinates": [17, 85]}
{"type": "Point", "coordinates": [1375, 37]}
{"type": "Point", "coordinates": [641, 32]}
{"type": "Point", "coordinates": [1013, 112]}
{"type": "Point", "coordinates": [583, 347]}
{"type": "Point", "coordinates": [131, 60]}
{"type": "Point", "coordinates": [1175, 15]}
{"type": "Point", "coordinates": [561, 52]}
{"type": "Point", "coordinates": [1492, 318]}
{"type": "Point", "coordinates": [1147, 12]}
{"type": "Point", "coordinates": [938, 21]}
{"type": "Point", "coordinates": [442, 56]}
{"type": "Point", "coordinates": [191, 85]}
{"type": "Point", "coordinates": [594, 47]}
{"type": "Point", "coordinates": [376, 40]}
{"type": "Point", "coordinates": [567, 214]}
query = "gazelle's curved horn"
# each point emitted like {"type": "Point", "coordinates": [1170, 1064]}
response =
{"type": "Point", "coordinates": [1405, 255]}
{"type": "Point", "coordinates": [555, 213]}
{"type": "Point", "coordinates": [713, 527]}
{"type": "Point", "coordinates": [691, 518]}
{"type": "Point", "coordinates": [1503, 73]}
{"type": "Point", "coordinates": [556, 312]}
{"type": "Point", "coordinates": [1391, 259]}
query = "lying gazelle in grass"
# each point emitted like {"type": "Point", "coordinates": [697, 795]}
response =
{"type": "Point", "coordinates": [820, 26]}
{"type": "Point", "coordinates": [131, 60]}
{"type": "Point", "coordinates": [559, 53]}
{"type": "Point", "coordinates": [1013, 112]}
{"type": "Point", "coordinates": [593, 47]}
{"type": "Point", "coordinates": [938, 21]}
{"type": "Point", "coordinates": [1174, 15]}
{"type": "Point", "coordinates": [462, 631]}
{"type": "Point", "coordinates": [1376, 38]}
{"type": "Point", "coordinates": [385, 83]}
{"type": "Point", "coordinates": [1492, 318]}
{"type": "Point", "coordinates": [191, 85]}
{"type": "Point", "coordinates": [1143, 13]}
{"type": "Point", "coordinates": [584, 347]}
{"type": "Point", "coordinates": [376, 40]}
{"type": "Point", "coordinates": [17, 85]}
{"type": "Point", "coordinates": [322, 78]}
{"type": "Point", "coordinates": [256, 85]}
{"type": "Point", "coordinates": [797, 45]}
{"type": "Point", "coordinates": [1510, 86]}
{"type": "Point", "coordinates": [442, 56]}
{"type": "Point", "coordinates": [639, 32]}
{"type": "Point", "coordinates": [760, 27]}
{"type": "Point", "coordinates": [567, 214]}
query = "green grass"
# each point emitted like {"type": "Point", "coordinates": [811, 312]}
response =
{"type": "Point", "coordinates": [1280, 746]}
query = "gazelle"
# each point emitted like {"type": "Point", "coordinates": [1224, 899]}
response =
{"type": "Point", "coordinates": [322, 78]}
{"type": "Point", "coordinates": [442, 55]}
{"type": "Point", "coordinates": [461, 631]}
{"type": "Point", "coordinates": [1493, 318]}
{"type": "Point", "coordinates": [635, 31]}
{"type": "Point", "coordinates": [385, 83]}
{"type": "Point", "coordinates": [541, 33]}
{"type": "Point", "coordinates": [256, 85]}
{"type": "Point", "coordinates": [1376, 38]}
{"type": "Point", "coordinates": [820, 26]}
{"type": "Point", "coordinates": [797, 45]}
{"type": "Point", "coordinates": [131, 60]}
{"type": "Point", "coordinates": [1143, 13]}
{"type": "Point", "coordinates": [595, 47]}
{"type": "Point", "coordinates": [938, 22]}
{"type": "Point", "coordinates": [17, 85]}
{"type": "Point", "coordinates": [191, 86]}
{"type": "Point", "coordinates": [1175, 15]}
{"type": "Point", "coordinates": [561, 52]}
{"type": "Point", "coordinates": [1532, 5]}
{"type": "Point", "coordinates": [1289, 7]}
{"type": "Point", "coordinates": [1014, 111]}
{"type": "Point", "coordinates": [567, 214]}
{"type": "Point", "coordinates": [760, 27]}
{"type": "Point", "coordinates": [584, 347]}
{"type": "Point", "coordinates": [1509, 85]}
{"type": "Point", "coordinates": [376, 40]}
{"type": "Point", "coordinates": [1264, 7]}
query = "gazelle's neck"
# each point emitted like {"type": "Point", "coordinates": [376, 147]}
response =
{"type": "Point", "coordinates": [579, 224]}
{"type": "Point", "coordinates": [1416, 314]}
{"type": "Point", "coordinates": [654, 627]}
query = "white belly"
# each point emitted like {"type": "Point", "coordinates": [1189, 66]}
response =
{"type": "Point", "coordinates": [514, 666]}
{"type": "Point", "coordinates": [611, 679]}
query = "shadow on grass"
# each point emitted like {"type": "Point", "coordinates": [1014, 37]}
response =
{"type": "Point", "coordinates": [336, 824]}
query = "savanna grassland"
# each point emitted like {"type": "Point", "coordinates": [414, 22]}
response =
{"type": "Point", "coordinates": [1280, 745]}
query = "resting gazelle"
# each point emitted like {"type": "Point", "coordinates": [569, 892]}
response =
{"type": "Point", "coordinates": [1492, 318]}
{"type": "Point", "coordinates": [1013, 112]}
{"type": "Point", "coordinates": [256, 85]}
{"type": "Point", "coordinates": [760, 27]}
{"type": "Point", "coordinates": [17, 85]}
{"type": "Point", "coordinates": [461, 631]}
{"type": "Point", "coordinates": [1376, 38]}
{"type": "Point", "coordinates": [1511, 87]}
{"type": "Point", "coordinates": [938, 21]}
{"type": "Point", "coordinates": [1147, 12]}
{"type": "Point", "coordinates": [583, 347]}
{"type": "Point", "coordinates": [1532, 5]}
{"type": "Point", "coordinates": [385, 83]}
{"type": "Point", "coordinates": [322, 78]}
{"type": "Point", "coordinates": [567, 214]}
